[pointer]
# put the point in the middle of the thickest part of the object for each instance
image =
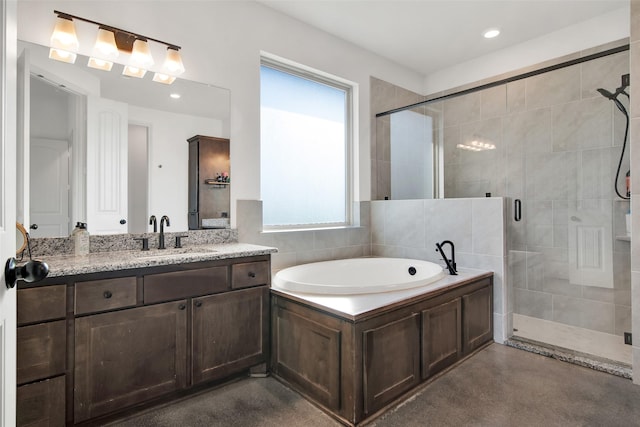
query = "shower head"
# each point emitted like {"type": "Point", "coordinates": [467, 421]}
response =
{"type": "Point", "coordinates": [607, 94]}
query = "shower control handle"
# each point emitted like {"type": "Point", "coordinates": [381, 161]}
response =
{"type": "Point", "coordinates": [517, 216]}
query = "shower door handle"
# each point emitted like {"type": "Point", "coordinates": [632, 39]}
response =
{"type": "Point", "coordinates": [517, 215]}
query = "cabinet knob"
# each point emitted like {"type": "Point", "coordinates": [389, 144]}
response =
{"type": "Point", "coordinates": [252, 274]}
{"type": "Point", "coordinates": [198, 303]}
{"type": "Point", "coordinates": [123, 221]}
{"type": "Point", "coordinates": [107, 294]}
{"type": "Point", "coordinates": [182, 307]}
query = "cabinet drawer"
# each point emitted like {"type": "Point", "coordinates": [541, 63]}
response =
{"type": "Point", "coordinates": [40, 304]}
{"type": "Point", "coordinates": [41, 351]}
{"type": "Point", "coordinates": [184, 284]}
{"type": "Point", "coordinates": [41, 403]}
{"type": "Point", "coordinates": [250, 274]}
{"type": "Point", "coordinates": [107, 294]}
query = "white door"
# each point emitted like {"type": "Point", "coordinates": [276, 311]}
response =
{"type": "Point", "coordinates": [49, 192]}
{"type": "Point", "coordinates": [107, 129]}
{"type": "Point", "coordinates": [23, 135]}
{"type": "Point", "coordinates": [8, 83]}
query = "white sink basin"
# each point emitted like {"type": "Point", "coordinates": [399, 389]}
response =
{"type": "Point", "coordinates": [172, 252]}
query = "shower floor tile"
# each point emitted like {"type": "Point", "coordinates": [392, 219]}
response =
{"type": "Point", "coordinates": [595, 343]}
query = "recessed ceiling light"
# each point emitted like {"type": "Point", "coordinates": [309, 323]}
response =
{"type": "Point", "coordinates": [175, 95]}
{"type": "Point", "coordinates": [491, 33]}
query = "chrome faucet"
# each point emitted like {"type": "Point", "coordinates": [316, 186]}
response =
{"type": "Point", "coordinates": [164, 220]}
{"type": "Point", "coordinates": [451, 263]}
{"type": "Point", "coordinates": [152, 221]}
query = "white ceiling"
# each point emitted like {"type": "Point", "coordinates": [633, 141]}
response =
{"type": "Point", "coordinates": [432, 35]}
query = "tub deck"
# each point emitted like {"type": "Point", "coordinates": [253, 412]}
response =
{"type": "Point", "coordinates": [356, 356]}
{"type": "Point", "coordinates": [361, 306]}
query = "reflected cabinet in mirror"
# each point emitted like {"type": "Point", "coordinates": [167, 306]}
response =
{"type": "Point", "coordinates": [209, 182]}
{"type": "Point", "coordinates": [110, 150]}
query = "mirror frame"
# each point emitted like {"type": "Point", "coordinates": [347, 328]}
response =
{"type": "Point", "coordinates": [21, 232]}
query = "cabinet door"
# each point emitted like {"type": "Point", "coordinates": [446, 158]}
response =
{"type": "Point", "coordinates": [229, 332]}
{"type": "Point", "coordinates": [441, 337]}
{"type": "Point", "coordinates": [41, 403]}
{"type": "Point", "coordinates": [391, 361]}
{"type": "Point", "coordinates": [41, 351]}
{"type": "Point", "coordinates": [129, 356]}
{"type": "Point", "coordinates": [477, 315]}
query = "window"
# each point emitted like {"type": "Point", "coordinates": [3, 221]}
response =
{"type": "Point", "coordinates": [305, 145]}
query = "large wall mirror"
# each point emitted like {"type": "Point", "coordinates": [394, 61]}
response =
{"type": "Point", "coordinates": [107, 149]}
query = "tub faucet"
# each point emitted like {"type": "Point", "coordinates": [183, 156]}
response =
{"type": "Point", "coordinates": [164, 220]}
{"type": "Point", "coordinates": [451, 263]}
{"type": "Point", "coordinates": [152, 221]}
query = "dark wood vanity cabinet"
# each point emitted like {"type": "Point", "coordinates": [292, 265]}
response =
{"type": "Point", "coordinates": [355, 366]}
{"type": "Point", "coordinates": [230, 332]}
{"type": "Point", "coordinates": [126, 357]}
{"type": "Point", "coordinates": [109, 341]}
{"type": "Point", "coordinates": [41, 356]}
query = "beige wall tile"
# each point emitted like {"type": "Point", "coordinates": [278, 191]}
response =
{"type": "Point", "coordinates": [558, 87]}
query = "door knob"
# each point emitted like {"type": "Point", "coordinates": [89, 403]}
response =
{"type": "Point", "coordinates": [123, 221]}
{"type": "Point", "coordinates": [32, 271]}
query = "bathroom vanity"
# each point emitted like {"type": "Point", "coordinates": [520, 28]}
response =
{"type": "Point", "coordinates": [357, 355]}
{"type": "Point", "coordinates": [111, 331]}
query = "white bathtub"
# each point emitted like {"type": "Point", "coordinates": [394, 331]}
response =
{"type": "Point", "coordinates": [357, 276]}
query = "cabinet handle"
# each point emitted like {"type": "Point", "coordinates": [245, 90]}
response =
{"type": "Point", "coordinates": [182, 307]}
{"type": "Point", "coordinates": [252, 274]}
{"type": "Point", "coordinates": [107, 294]}
{"type": "Point", "coordinates": [198, 303]}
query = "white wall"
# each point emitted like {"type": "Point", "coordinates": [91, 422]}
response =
{"type": "Point", "coordinates": [604, 29]}
{"type": "Point", "coordinates": [221, 44]}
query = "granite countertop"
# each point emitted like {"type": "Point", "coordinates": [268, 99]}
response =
{"type": "Point", "coordinates": [67, 265]}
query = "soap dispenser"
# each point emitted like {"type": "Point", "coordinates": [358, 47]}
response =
{"type": "Point", "coordinates": [81, 239]}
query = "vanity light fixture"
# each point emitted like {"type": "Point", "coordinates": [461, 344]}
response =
{"type": "Point", "coordinates": [64, 42]}
{"type": "Point", "coordinates": [110, 42]}
{"type": "Point", "coordinates": [141, 59]}
{"type": "Point", "coordinates": [105, 50]}
{"type": "Point", "coordinates": [172, 67]}
{"type": "Point", "coordinates": [163, 78]}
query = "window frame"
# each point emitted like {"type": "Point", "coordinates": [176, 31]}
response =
{"type": "Point", "coordinates": [349, 88]}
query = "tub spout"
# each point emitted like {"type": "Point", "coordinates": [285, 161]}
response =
{"type": "Point", "coordinates": [451, 263]}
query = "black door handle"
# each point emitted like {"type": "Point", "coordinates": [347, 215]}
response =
{"type": "Point", "coordinates": [123, 221]}
{"type": "Point", "coordinates": [517, 213]}
{"type": "Point", "coordinates": [32, 271]}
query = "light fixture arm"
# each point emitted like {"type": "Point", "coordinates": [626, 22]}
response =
{"type": "Point", "coordinates": [115, 29]}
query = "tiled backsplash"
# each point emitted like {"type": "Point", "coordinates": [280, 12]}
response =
{"type": "Point", "coordinates": [398, 228]}
{"type": "Point", "coordinates": [304, 246]}
{"type": "Point", "coordinates": [411, 228]}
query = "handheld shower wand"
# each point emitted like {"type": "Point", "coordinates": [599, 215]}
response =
{"type": "Point", "coordinates": [614, 97]}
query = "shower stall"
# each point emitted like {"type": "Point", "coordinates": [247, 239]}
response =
{"type": "Point", "coordinates": [553, 146]}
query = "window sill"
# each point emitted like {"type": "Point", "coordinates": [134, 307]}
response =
{"type": "Point", "coordinates": [293, 230]}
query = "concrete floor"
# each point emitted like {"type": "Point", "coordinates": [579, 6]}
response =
{"type": "Point", "coordinates": [499, 386]}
